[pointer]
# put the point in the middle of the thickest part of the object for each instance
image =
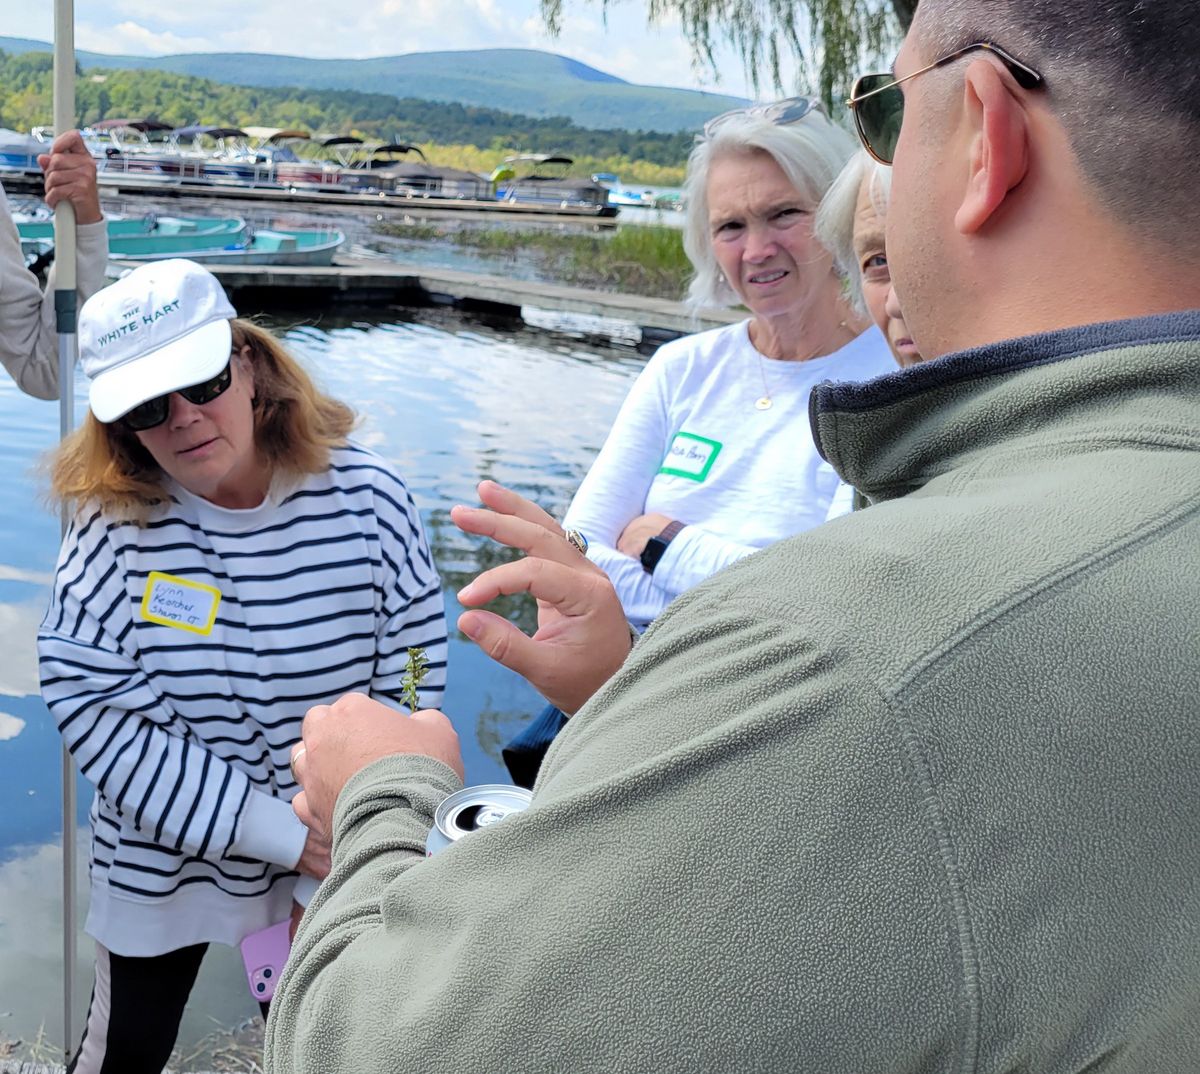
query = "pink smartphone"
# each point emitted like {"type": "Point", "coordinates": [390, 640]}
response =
{"type": "Point", "coordinates": [264, 953]}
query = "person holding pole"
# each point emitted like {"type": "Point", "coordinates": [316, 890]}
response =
{"type": "Point", "coordinates": [233, 558]}
{"type": "Point", "coordinates": [28, 339]}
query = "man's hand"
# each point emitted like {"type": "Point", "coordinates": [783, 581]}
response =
{"type": "Point", "coordinates": [71, 175]}
{"type": "Point", "coordinates": [339, 740]}
{"type": "Point", "coordinates": [632, 541]}
{"type": "Point", "coordinates": [582, 637]}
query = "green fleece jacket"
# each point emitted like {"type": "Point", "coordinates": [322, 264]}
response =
{"type": "Point", "coordinates": [914, 791]}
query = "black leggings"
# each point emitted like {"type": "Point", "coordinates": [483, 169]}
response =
{"type": "Point", "coordinates": [135, 1011]}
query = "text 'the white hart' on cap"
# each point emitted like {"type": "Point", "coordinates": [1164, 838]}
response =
{"type": "Point", "coordinates": [163, 327]}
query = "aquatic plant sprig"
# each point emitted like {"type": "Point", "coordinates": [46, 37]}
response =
{"type": "Point", "coordinates": [414, 675]}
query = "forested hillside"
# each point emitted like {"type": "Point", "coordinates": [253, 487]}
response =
{"type": "Point", "coordinates": [25, 101]}
{"type": "Point", "coordinates": [523, 81]}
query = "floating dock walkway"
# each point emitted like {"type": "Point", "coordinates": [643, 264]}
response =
{"type": "Point", "coordinates": [267, 286]}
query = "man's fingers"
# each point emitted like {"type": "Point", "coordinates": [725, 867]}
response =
{"type": "Point", "coordinates": [507, 502]}
{"type": "Point", "coordinates": [503, 642]}
{"type": "Point", "coordinates": [568, 589]}
{"type": "Point", "coordinates": [434, 718]}
{"type": "Point", "coordinates": [531, 538]}
{"type": "Point", "coordinates": [312, 719]}
{"type": "Point", "coordinates": [300, 808]}
{"type": "Point", "coordinates": [68, 142]}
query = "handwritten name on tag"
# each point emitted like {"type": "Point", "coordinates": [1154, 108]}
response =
{"type": "Point", "coordinates": [180, 603]}
{"type": "Point", "coordinates": [690, 456]}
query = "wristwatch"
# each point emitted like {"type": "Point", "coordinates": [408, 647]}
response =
{"type": "Point", "coordinates": [656, 546]}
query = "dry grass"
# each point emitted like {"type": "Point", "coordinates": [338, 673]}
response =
{"type": "Point", "coordinates": [230, 1051]}
{"type": "Point", "coordinates": [223, 1051]}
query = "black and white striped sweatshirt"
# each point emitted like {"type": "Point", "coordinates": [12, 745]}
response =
{"type": "Point", "coordinates": [185, 734]}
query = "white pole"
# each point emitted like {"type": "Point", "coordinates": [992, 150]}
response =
{"type": "Point", "coordinates": [65, 312]}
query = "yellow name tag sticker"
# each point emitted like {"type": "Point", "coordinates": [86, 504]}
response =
{"type": "Point", "coordinates": [180, 603]}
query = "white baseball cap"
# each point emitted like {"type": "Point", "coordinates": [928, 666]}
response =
{"type": "Point", "coordinates": [163, 327]}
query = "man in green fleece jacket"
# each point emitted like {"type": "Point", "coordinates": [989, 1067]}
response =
{"type": "Point", "coordinates": [914, 791]}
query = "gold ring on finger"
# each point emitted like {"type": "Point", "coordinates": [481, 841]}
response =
{"type": "Point", "coordinates": [577, 541]}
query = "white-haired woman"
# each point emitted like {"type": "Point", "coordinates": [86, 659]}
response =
{"type": "Point", "coordinates": [851, 223]}
{"type": "Point", "coordinates": [711, 456]}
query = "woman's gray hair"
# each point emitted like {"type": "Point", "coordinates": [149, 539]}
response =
{"type": "Point", "coordinates": [810, 153]}
{"type": "Point", "coordinates": [835, 218]}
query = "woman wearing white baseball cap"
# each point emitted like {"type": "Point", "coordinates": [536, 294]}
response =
{"type": "Point", "coordinates": [233, 561]}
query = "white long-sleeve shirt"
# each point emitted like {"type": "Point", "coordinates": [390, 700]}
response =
{"type": "Point", "coordinates": [184, 726]}
{"type": "Point", "coordinates": [689, 443]}
{"type": "Point", "coordinates": [28, 338]}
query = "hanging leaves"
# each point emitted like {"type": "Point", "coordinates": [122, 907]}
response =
{"type": "Point", "coordinates": [830, 41]}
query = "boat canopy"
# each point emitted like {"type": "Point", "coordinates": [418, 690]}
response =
{"type": "Point", "coordinates": [342, 139]}
{"type": "Point", "coordinates": [539, 166]}
{"type": "Point", "coordinates": [211, 132]}
{"type": "Point", "coordinates": [424, 170]}
{"type": "Point", "coordinates": [384, 156]}
{"type": "Point", "coordinates": [539, 158]}
{"type": "Point", "coordinates": [397, 147]}
{"type": "Point", "coordinates": [277, 134]}
{"type": "Point", "coordinates": [143, 125]}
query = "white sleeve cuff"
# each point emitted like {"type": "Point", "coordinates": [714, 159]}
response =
{"type": "Point", "coordinates": [305, 889]}
{"type": "Point", "coordinates": [270, 831]}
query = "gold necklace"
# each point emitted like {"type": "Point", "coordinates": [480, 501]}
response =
{"type": "Point", "coordinates": [763, 402]}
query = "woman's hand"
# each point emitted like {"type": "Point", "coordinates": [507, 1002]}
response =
{"type": "Point", "coordinates": [632, 541]}
{"type": "Point", "coordinates": [582, 637]}
{"type": "Point", "coordinates": [71, 175]}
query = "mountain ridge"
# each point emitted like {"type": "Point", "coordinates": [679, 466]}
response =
{"type": "Point", "coordinates": [524, 81]}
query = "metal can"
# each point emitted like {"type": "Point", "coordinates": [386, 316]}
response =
{"type": "Point", "coordinates": [470, 809]}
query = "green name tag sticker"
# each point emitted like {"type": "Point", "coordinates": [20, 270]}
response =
{"type": "Point", "coordinates": [690, 456]}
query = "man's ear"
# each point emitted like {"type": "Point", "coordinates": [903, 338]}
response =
{"type": "Point", "coordinates": [999, 145]}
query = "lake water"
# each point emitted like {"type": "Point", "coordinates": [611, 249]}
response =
{"type": "Point", "coordinates": [449, 402]}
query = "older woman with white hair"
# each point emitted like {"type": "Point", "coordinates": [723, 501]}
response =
{"type": "Point", "coordinates": [851, 223]}
{"type": "Point", "coordinates": [711, 456]}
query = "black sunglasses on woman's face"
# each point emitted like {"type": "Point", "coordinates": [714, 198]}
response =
{"type": "Point", "coordinates": [153, 412]}
{"type": "Point", "coordinates": [878, 103]}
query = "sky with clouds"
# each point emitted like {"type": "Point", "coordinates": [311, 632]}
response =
{"type": "Point", "coordinates": [622, 44]}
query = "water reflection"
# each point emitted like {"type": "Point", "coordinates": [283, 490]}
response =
{"type": "Point", "coordinates": [445, 399]}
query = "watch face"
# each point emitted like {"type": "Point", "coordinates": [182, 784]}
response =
{"type": "Point", "coordinates": [652, 553]}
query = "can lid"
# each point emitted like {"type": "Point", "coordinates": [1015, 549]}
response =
{"type": "Point", "coordinates": [473, 808]}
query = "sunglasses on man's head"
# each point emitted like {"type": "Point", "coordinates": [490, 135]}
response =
{"type": "Point", "coordinates": [878, 103]}
{"type": "Point", "coordinates": [781, 113]}
{"type": "Point", "coordinates": [153, 412]}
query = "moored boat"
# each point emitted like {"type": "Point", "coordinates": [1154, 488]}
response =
{"type": "Point", "coordinates": [543, 179]}
{"type": "Point", "coordinates": [266, 246]}
{"type": "Point", "coordinates": [151, 224]}
{"type": "Point", "coordinates": [322, 165]}
{"type": "Point", "coordinates": [19, 152]}
{"type": "Point", "coordinates": [623, 195]}
{"type": "Point", "coordinates": [387, 168]}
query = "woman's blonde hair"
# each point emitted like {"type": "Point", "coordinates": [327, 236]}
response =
{"type": "Point", "coordinates": [295, 426]}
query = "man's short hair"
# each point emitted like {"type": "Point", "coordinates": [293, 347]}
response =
{"type": "Point", "coordinates": [1124, 78]}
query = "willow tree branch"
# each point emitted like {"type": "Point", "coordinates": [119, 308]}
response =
{"type": "Point", "coordinates": [828, 40]}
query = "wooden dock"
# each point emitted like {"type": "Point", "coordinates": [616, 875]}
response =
{"type": "Point", "coordinates": [265, 286]}
{"type": "Point", "coordinates": [114, 183]}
